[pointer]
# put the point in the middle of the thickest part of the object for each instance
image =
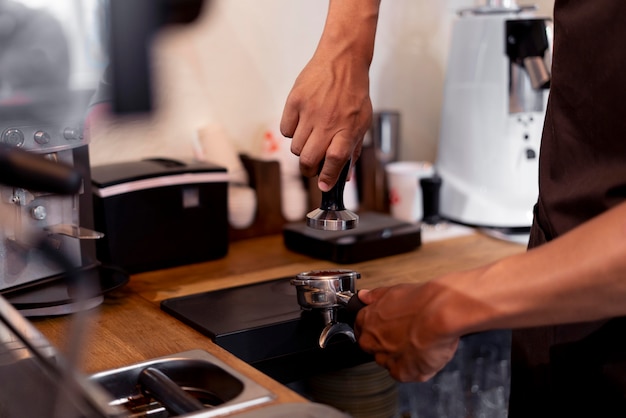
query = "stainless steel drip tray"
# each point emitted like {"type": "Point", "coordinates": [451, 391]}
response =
{"type": "Point", "coordinates": [220, 389]}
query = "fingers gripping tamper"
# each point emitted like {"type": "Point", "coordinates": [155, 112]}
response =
{"type": "Point", "coordinates": [332, 215]}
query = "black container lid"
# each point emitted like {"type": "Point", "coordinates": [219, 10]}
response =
{"type": "Point", "coordinates": [124, 172]}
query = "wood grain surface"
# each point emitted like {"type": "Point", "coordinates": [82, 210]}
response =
{"type": "Point", "coordinates": [129, 327]}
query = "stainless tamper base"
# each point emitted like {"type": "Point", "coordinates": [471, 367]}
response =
{"type": "Point", "coordinates": [332, 220]}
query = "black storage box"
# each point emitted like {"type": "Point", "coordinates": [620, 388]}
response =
{"type": "Point", "coordinates": [159, 213]}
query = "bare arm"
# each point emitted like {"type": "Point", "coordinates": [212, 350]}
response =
{"type": "Point", "coordinates": [328, 110]}
{"type": "Point", "coordinates": [580, 276]}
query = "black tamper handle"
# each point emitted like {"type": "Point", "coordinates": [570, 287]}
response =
{"type": "Point", "coordinates": [332, 215]}
{"type": "Point", "coordinates": [333, 199]}
{"type": "Point", "coordinates": [166, 391]}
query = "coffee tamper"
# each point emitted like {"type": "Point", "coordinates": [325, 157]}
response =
{"type": "Point", "coordinates": [332, 215]}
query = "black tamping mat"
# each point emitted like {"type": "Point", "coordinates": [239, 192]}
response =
{"type": "Point", "coordinates": [376, 235]}
{"type": "Point", "coordinates": [263, 325]}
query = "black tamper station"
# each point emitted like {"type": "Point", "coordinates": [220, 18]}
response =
{"type": "Point", "coordinates": [331, 232]}
{"type": "Point", "coordinates": [332, 215]}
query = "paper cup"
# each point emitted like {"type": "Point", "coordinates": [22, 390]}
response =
{"type": "Point", "coordinates": [405, 192]}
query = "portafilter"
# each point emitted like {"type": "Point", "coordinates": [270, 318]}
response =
{"type": "Point", "coordinates": [327, 291]}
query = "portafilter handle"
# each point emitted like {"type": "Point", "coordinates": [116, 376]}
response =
{"type": "Point", "coordinates": [351, 301]}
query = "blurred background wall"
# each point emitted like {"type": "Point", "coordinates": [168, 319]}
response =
{"type": "Point", "coordinates": [234, 67]}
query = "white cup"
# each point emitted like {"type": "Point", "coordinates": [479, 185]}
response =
{"type": "Point", "coordinates": [405, 192]}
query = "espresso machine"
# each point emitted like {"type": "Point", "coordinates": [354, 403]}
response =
{"type": "Point", "coordinates": [495, 97]}
{"type": "Point", "coordinates": [45, 232]}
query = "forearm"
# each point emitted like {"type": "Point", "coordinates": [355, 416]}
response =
{"type": "Point", "coordinates": [328, 110]}
{"type": "Point", "coordinates": [578, 277]}
{"type": "Point", "coordinates": [350, 30]}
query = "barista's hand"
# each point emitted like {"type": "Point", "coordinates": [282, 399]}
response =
{"type": "Point", "coordinates": [396, 329]}
{"type": "Point", "coordinates": [329, 110]}
{"type": "Point", "coordinates": [327, 114]}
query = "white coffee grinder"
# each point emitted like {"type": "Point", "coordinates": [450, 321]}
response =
{"type": "Point", "coordinates": [495, 97]}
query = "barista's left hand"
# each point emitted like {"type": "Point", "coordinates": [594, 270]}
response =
{"type": "Point", "coordinates": [395, 327]}
{"type": "Point", "coordinates": [414, 329]}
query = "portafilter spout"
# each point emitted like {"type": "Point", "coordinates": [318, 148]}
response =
{"type": "Point", "coordinates": [332, 215]}
{"type": "Point", "coordinates": [334, 327]}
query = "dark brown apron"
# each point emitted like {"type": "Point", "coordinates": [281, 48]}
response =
{"type": "Point", "coordinates": [579, 369]}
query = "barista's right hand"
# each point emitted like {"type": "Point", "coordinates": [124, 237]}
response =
{"type": "Point", "coordinates": [329, 110]}
{"type": "Point", "coordinates": [327, 114]}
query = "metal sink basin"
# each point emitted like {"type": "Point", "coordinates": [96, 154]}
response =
{"type": "Point", "coordinates": [219, 388]}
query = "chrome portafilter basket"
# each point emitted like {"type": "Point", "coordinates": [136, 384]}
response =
{"type": "Point", "coordinates": [328, 291]}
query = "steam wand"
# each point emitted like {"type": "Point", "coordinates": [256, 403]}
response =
{"type": "Point", "coordinates": [20, 168]}
{"type": "Point", "coordinates": [332, 215]}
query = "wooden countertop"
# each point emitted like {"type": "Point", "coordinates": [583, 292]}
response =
{"type": "Point", "coordinates": [129, 327]}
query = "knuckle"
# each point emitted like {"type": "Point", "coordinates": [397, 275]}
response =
{"type": "Point", "coordinates": [307, 161]}
{"type": "Point", "coordinates": [337, 156]}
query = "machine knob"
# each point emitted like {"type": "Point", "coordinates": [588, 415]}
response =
{"type": "Point", "coordinates": [39, 213]}
{"type": "Point", "coordinates": [42, 137]}
{"type": "Point", "coordinates": [72, 134]}
{"type": "Point", "coordinates": [13, 137]}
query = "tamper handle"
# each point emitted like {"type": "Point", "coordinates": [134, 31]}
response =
{"type": "Point", "coordinates": [333, 199]}
{"type": "Point", "coordinates": [332, 215]}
